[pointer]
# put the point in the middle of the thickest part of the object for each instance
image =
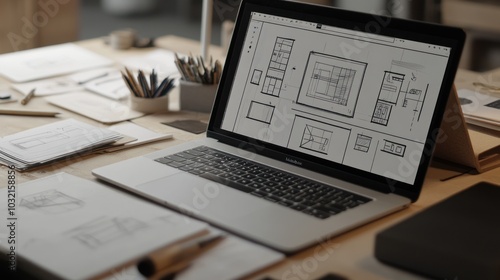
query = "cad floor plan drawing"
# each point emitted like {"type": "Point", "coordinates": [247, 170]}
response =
{"type": "Point", "coordinates": [363, 143]}
{"type": "Point", "coordinates": [404, 86]}
{"type": "Point", "coordinates": [277, 66]}
{"type": "Point", "coordinates": [316, 139]}
{"type": "Point", "coordinates": [359, 99]}
{"type": "Point", "coordinates": [332, 83]}
{"type": "Point", "coordinates": [323, 139]}
{"type": "Point", "coordinates": [260, 112]}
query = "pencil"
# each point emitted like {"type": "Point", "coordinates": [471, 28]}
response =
{"type": "Point", "coordinates": [175, 255]}
{"type": "Point", "coordinates": [28, 97]}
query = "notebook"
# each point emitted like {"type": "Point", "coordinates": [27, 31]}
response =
{"type": "Point", "coordinates": [324, 120]}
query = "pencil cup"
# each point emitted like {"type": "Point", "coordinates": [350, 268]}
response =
{"type": "Point", "coordinates": [197, 97]}
{"type": "Point", "coordinates": [149, 105]}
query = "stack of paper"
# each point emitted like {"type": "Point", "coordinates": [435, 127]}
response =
{"type": "Point", "coordinates": [51, 142]}
{"type": "Point", "coordinates": [481, 109]}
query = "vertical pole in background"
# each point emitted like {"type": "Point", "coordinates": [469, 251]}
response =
{"type": "Point", "coordinates": [206, 27]}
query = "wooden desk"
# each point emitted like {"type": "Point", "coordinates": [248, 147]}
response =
{"type": "Point", "coordinates": [350, 254]}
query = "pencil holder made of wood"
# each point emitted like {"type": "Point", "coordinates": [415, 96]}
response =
{"type": "Point", "coordinates": [149, 105]}
{"type": "Point", "coordinates": [196, 97]}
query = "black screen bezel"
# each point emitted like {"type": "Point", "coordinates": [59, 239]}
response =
{"type": "Point", "coordinates": [405, 29]}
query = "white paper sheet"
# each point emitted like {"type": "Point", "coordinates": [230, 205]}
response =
{"type": "Point", "coordinates": [233, 258]}
{"type": "Point", "coordinates": [142, 135]}
{"type": "Point", "coordinates": [24, 66]}
{"type": "Point", "coordinates": [77, 228]}
{"type": "Point", "coordinates": [95, 107]}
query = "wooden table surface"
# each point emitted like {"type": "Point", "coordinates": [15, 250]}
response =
{"type": "Point", "coordinates": [350, 255]}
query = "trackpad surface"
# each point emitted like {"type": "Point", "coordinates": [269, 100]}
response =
{"type": "Point", "coordinates": [202, 197]}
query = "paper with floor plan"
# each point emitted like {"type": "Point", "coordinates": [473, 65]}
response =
{"type": "Point", "coordinates": [74, 228]}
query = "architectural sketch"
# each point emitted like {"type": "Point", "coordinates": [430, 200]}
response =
{"type": "Point", "coordinates": [332, 83]}
{"type": "Point", "coordinates": [388, 96]}
{"type": "Point", "coordinates": [362, 143]}
{"type": "Point", "coordinates": [316, 139]}
{"type": "Point", "coordinates": [105, 230]}
{"type": "Point", "coordinates": [43, 138]}
{"type": "Point", "coordinates": [414, 99]}
{"type": "Point", "coordinates": [277, 66]}
{"type": "Point", "coordinates": [319, 138]}
{"type": "Point", "coordinates": [403, 82]}
{"type": "Point", "coordinates": [256, 77]}
{"type": "Point", "coordinates": [260, 112]}
{"type": "Point", "coordinates": [394, 148]}
{"type": "Point", "coordinates": [51, 202]}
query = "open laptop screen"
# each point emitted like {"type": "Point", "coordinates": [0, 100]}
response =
{"type": "Point", "coordinates": [356, 99]}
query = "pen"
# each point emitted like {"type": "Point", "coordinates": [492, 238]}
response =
{"type": "Point", "coordinates": [28, 97]}
{"type": "Point", "coordinates": [175, 254]}
{"type": "Point", "coordinates": [28, 113]}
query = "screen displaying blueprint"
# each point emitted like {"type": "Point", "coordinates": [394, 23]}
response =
{"type": "Point", "coordinates": [354, 98]}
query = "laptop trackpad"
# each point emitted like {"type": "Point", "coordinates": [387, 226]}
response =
{"type": "Point", "coordinates": [202, 197]}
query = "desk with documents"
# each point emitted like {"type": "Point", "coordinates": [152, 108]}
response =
{"type": "Point", "coordinates": [349, 255]}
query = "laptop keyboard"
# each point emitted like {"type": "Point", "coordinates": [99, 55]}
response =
{"type": "Point", "coordinates": [292, 191]}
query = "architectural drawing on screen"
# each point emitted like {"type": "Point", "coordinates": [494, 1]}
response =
{"type": "Point", "coordinates": [51, 202]}
{"type": "Point", "coordinates": [105, 230]}
{"type": "Point", "coordinates": [388, 96]}
{"type": "Point", "coordinates": [316, 139]}
{"type": "Point", "coordinates": [331, 83]}
{"type": "Point", "coordinates": [362, 143]}
{"type": "Point", "coordinates": [260, 112]}
{"type": "Point", "coordinates": [404, 86]}
{"type": "Point", "coordinates": [394, 148]}
{"type": "Point", "coordinates": [277, 66]}
{"type": "Point", "coordinates": [414, 98]}
{"type": "Point", "coordinates": [257, 74]}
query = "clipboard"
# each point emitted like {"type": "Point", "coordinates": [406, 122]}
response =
{"type": "Point", "coordinates": [466, 145]}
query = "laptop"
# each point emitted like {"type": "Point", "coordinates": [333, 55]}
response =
{"type": "Point", "coordinates": [324, 120]}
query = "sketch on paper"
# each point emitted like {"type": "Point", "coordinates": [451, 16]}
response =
{"type": "Point", "coordinates": [331, 83]}
{"type": "Point", "coordinates": [362, 143]}
{"type": "Point", "coordinates": [277, 66]}
{"type": "Point", "coordinates": [316, 139]}
{"type": "Point", "coordinates": [260, 112]}
{"type": "Point", "coordinates": [33, 141]}
{"type": "Point", "coordinates": [105, 230]}
{"type": "Point", "coordinates": [394, 148]}
{"type": "Point", "coordinates": [51, 202]}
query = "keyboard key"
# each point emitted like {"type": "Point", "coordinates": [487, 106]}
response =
{"type": "Point", "coordinates": [227, 182]}
{"type": "Point", "coordinates": [163, 160]}
{"type": "Point", "coordinates": [175, 164]}
{"type": "Point", "coordinates": [316, 213]}
{"type": "Point", "coordinates": [298, 207]}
